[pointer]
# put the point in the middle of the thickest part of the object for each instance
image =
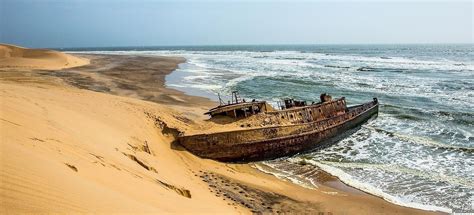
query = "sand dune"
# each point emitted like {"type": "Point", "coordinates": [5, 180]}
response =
{"type": "Point", "coordinates": [59, 155]}
{"type": "Point", "coordinates": [19, 57]}
{"type": "Point", "coordinates": [64, 149]}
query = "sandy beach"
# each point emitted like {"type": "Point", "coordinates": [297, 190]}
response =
{"type": "Point", "coordinates": [96, 134]}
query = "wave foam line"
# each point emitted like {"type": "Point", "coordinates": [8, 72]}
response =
{"type": "Point", "coordinates": [283, 175]}
{"type": "Point", "coordinates": [391, 62]}
{"type": "Point", "coordinates": [349, 180]}
{"type": "Point", "coordinates": [421, 140]}
{"type": "Point", "coordinates": [404, 170]}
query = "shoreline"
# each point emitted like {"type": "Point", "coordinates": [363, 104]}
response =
{"type": "Point", "coordinates": [329, 180]}
{"type": "Point", "coordinates": [108, 75]}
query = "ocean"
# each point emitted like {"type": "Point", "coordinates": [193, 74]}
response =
{"type": "Point", "coordinates": [419, 152]}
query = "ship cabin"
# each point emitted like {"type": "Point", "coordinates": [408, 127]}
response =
{"type": "Point", "coordinates": [290, 109]}
{"type": "Point", "coordinates": [324, 109]}
{"type": "Point", "coordinates": [239, 110]}
{"type": "Point", "coordinates": [291, 103]}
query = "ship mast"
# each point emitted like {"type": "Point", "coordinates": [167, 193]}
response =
{"type": "Point", "coordinates": [235, 95]}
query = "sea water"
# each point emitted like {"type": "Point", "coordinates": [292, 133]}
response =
{"type": "Point", "coordinates": [419, 152]}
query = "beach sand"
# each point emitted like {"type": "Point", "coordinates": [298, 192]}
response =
{"type": "Point", "coordinates": [100, 138]}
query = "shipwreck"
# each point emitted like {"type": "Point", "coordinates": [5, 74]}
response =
{"type": "Point", "coordinates": [292, 128]}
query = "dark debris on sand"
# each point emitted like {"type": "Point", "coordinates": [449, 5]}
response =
{"type": "Point", "coordinates": [257, 201]}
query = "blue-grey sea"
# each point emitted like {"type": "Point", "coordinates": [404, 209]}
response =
{"type": "Point", "coordinates": [419, 152]}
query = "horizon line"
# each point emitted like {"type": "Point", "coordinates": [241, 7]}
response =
{"type": "Point", "coordinates": [257, 44]}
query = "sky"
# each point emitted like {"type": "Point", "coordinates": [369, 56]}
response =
{"type": "Point", "coordinates": [111, 23]}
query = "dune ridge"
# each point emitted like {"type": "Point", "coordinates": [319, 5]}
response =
{"type": "Point", "coordinates": [19, 57]}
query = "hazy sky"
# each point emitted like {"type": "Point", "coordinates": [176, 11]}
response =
{"type": "Point", "coordinates": [91, 23]}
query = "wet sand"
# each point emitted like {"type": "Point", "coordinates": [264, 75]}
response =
{"type": "Point", "coordinates": [139, 77]}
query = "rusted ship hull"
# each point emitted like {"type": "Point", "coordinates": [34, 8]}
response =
{"type": "Point", "coordinates": [270, 143]}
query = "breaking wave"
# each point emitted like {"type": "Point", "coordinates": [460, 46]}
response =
{"type": "Point", "coordinates": [349, 180]}
{"type": "Point", "coordinates": [422, 140]}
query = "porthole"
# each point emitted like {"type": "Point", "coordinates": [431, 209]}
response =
{"type": "Point", "coordinates": [291, 116]}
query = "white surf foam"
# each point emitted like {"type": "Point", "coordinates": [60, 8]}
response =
{"type": "Point", "coordinates": [349, 180]}
{"type": "Point", "coordinates": [421, 140]}
{"type": "Point", "coordinates": [284, 175]}
{"type": "Point", "coordinates": [440, 177]}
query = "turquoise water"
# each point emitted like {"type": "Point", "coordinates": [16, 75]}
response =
{"type": "Point", "coordinates": [419, 151]}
